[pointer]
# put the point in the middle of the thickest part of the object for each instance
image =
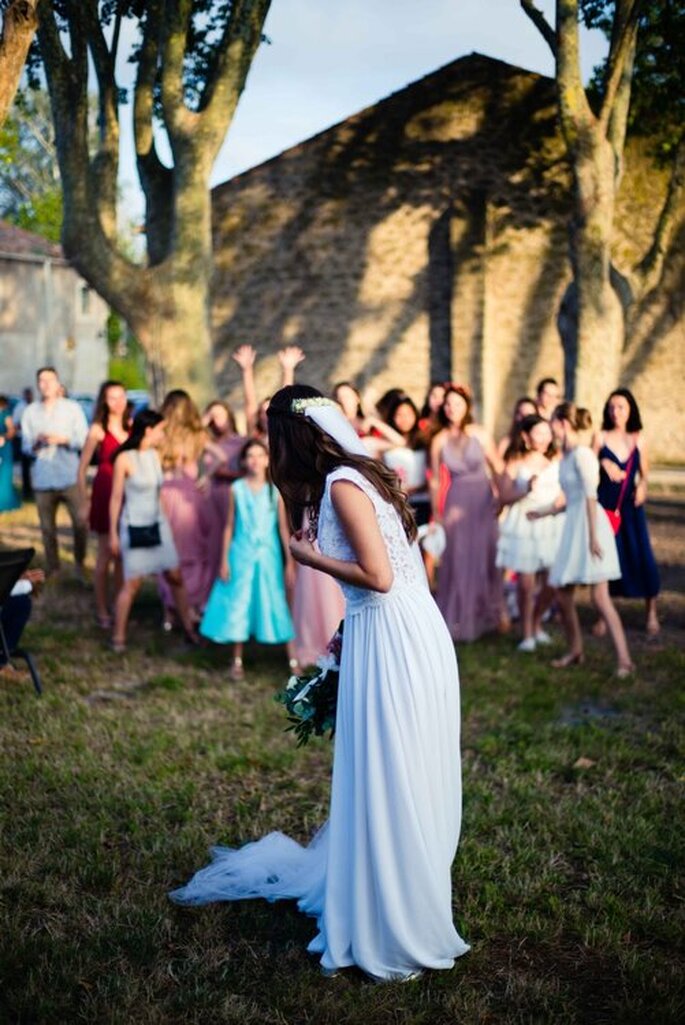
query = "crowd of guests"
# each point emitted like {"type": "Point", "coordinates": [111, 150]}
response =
{"type": "Point", "coordinates": [181, 495]}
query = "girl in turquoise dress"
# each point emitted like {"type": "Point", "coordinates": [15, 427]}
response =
{"type": "Point", "coordinates": [249, 597]}
{"type": "Point", "coordinates": [9, 499]}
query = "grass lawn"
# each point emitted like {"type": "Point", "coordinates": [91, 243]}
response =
{"type": "Point", "coordinates": [114, 784]}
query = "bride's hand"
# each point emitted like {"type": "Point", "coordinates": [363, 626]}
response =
{"type": "Point", "coordinates": [302, 550]}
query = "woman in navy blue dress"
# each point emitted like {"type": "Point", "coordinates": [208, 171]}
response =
{"type": "Point", "coordinates": [623, 457]}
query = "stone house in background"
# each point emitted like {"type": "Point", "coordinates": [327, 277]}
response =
{"type": "Point", "coordinates": [48, 315]}
{"type": "Point", "coordinates": [425, 238]}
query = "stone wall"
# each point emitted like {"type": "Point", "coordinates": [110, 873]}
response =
{"type": "Point", "coordinates": [48, 315]}
{"type": "Point", "coordinates": [424, 238]}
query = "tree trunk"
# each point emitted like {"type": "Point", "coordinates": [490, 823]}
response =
{"type": "Point", "coordinates": [175, 330]}
{"type": "Point", "coordinates": [175, 334]}
{"type": "Point", "coordinates": [594, 355]}
{"type": "Point", "coordinates": [18, 28]}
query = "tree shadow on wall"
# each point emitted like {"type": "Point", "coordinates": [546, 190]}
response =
{"type": "Point", "coordinates": [311, 218]}
{"type": "Point", "coordinates": [669, 299]}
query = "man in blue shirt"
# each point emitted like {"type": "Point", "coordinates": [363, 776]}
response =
{"type": "Point", "coordinates": [54, 431]}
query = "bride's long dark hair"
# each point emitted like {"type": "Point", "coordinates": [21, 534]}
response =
{"type": "Point", "coordinates": [301, 456]}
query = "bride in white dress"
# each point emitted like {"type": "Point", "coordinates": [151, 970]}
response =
{"type": "Point", "coordinates": [377, 876]}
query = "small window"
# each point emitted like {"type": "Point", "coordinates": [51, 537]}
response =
{"type": "Point", "coordinates": [85, 300]}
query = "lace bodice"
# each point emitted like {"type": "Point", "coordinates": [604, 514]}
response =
{"type": "Point", "coordinates": [404, 557]}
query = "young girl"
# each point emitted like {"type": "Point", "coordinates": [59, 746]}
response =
{"type": "Point", "coordinates": [587, 550]}
{"type": "Point", "coordinates": [249, 598]}
{"type": "Point", "coordinates": [109, 430]}
{"type": "Point", "coordinates": [143, 538]}
{"type": "Point", "coordinates": [526, 546]}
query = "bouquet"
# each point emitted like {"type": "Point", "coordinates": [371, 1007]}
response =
{"type": "Point", "coordinates": [311, 700]}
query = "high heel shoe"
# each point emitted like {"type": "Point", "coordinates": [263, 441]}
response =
{"type": "Point", "coordinates": [568, 660]}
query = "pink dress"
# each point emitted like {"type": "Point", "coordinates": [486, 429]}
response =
{"type": "Point", "coordinates": [469, 583]}
{"type": "Point", "coordinates": [188, 511]}
{"type": "Point", "coordinates": [318, 607]}
{"type": "Point", "coordinates": [220, 486]}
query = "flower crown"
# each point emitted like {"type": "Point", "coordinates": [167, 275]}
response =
{"type": "Point", "coordinates": [302, 405]}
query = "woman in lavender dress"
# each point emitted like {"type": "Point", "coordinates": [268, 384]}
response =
{"type": "Point", "coordinates": [469, 583]}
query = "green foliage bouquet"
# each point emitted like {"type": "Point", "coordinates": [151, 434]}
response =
{"type": "Point", "coordinates": [311, 700]}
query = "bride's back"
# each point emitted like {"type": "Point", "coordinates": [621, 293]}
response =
{"type": "Point", "coordinates": [404, 556]}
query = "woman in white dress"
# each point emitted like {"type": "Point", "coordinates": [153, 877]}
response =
{"type": "Point", "coordinates": [140, 534]}
{"type": "Point", "coordinates": [526, 546]}
{"type": "Point", "coordinates": [378, 876]}
{"type": "Point", "coordinates": [587, 550]}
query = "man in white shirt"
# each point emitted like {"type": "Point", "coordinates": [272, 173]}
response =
{"type": "Point", "coordinates": [54, 431]}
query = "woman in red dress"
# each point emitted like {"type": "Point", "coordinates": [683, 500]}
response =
{"type": "Point", "coordinates": [109, 430]}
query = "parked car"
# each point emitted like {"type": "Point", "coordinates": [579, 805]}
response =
{"type": "Point", "coordinates": [86, 402]}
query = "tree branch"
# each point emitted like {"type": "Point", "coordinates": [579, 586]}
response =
{"type": "Point", "coordinates": [18, 28]}
{"type": "Point", "coordinates": [541, 24]}
{"type": "Point", "coordinates": [241, 38]}
{"type": "Point", "coordinates": [648, 271]}
{"type": "Point", "coordinates": [84, 240]}
{"type": "Point", "coordinates": [618, 118]}
{"type": "Point", "coordinates": [177, 117]}
{"type": "Point", "coordinates": [156, 179]}
{"type": "Point", "coordinates": [105, 165]}
{"type": "Point", "coordinates": [574, 109]}
{"type": "Point", "coordinates": [621, 56]}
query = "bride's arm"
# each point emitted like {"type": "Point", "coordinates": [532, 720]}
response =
{"type": "Point", "coordinates": [371, 568]}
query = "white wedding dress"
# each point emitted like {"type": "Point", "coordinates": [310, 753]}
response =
{"type": "Point", "coordinates": [377, 876]}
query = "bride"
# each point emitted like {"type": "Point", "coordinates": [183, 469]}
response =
{"type": "Point", "coordinates": [377, 876]}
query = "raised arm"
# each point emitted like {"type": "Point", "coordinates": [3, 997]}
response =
{"type": "Point", "coordinates": [290, 356]}
{"type": "Point", "coordinates": [371, 567]}
{"type": "Point", "coordinates": [245, 357]}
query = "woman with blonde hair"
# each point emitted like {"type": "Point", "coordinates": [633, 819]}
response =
{"type": "Point", "coordinates": [189, 458]}
{"type": "Point", "coordinates": [587, 549]}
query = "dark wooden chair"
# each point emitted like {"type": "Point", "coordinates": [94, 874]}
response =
{"type": "Point", "coordinates": [12, 565]}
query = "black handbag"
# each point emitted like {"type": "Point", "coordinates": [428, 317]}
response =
{"type": "Point", "coordinates": [144, 537]}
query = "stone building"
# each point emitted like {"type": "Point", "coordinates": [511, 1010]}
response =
{"type": "Point", "coordinates": [425, 238]}
{"type": "Point", "coordinates": [48, 316]}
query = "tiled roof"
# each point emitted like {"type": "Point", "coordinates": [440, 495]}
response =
{"type": "Point", "coordinates": [15, 240]}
